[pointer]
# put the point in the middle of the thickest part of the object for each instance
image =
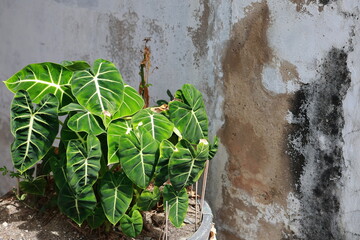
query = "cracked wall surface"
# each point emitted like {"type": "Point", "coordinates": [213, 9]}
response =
{"type": "Point", "coordinates": [280, 80]}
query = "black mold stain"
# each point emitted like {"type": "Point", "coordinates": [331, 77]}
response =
{"type": "Point", "coordinates": [315, 147]}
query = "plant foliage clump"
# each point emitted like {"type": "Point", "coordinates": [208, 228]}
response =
{"type": "Point", "coordinates": [111, 148]}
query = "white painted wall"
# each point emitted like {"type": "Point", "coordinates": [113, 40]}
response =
{"type": "Point", "coordinates": [43, 30]}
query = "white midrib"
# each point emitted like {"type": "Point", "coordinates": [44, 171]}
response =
{"type": "Point", "coordinates": [86, 171]}
{"type": "Point", "coordinates": [29, 135]}
{"type": "Point", "coordinates": [98, 92]}
{"type": "Point", "coordinates": [197, 122]}
{"type": "Point", "coordinates": [152, 126]}
{"type": "Point", "coordinates": [114, 207]}
{"type": "Point", "coordinates": [142, 165]}
{"type": "Point", "coordinates": [43, 82]}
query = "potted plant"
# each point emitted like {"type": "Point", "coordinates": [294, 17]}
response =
{"type": "Point", "coordinates": [114, 158]}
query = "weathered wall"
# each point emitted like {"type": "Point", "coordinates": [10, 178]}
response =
{"type": "Point", "coordinates": [281, 84]}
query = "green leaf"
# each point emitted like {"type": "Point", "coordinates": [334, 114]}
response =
{"type": "Point", "coordinates": [115, 195]}
{"type": "Point", "coordinates": [213, 148]}
{"type": "Point", "coordinates": [96, 219]}
{"type": "Point", "coordinates": [100, 91]}
{"type": "Point", "coordinates": [41, 79]}
{"type": "Point", "coordinates": [83, 121]}
{"type": "Point", "coordinates": [148, 199]}
{"type": "Point", "coordinates": [138, 157]}
{"type": "Point", "coordinates": [34, 129]}
{"type": "Point", "coordinates": [132, 226]}
{"type": "Point", "coordinates": [77, 206]}
{"type": "Point", "coordinates": [162, 167]}
{"type": "Point", "coordinates": [189, 115]}
{"type": "Point", "coordinates": [76, 65]}
{"type": "Point", "coordinates": [83, 163]}
{"type": "Point", "coordinates": [36, 186]}
{"type": "Point", "coordinates": [115, 130]}
{"type": "Point", "coordinates": [58, 167]}
{"type": "Point", "coordinates": [186, 163]}
{"type": "Point", "coordinates": [132, 103]}
{"type": "Point", "coordinates": [178, 204]}
{"type": "Point", "coordinates": [67, 134]}
{"type": "Point", "coordinates": [157, 124]}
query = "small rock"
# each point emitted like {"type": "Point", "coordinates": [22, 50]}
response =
{"type": "Point", "coordinates": [189, 220]}
{"type": "Point", "coordinates": [5, 224]}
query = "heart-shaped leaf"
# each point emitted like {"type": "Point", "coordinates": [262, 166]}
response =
{"type": "Point", "coordinates": [116, 193]}
{"type": "Point", "coordinates": [58, 167]}
{"type": "Point", "coordinates": [96, 219]}
{"type": "Point", "coordinates": [162, 167]}
{"type": "Point", "coordinates": [67, 134]}
{"type": "Point", "coordinates": [41, 79]}
{"type": "Point", "coordinates": [189, 115]}
{"type": "Point", "coordinates": [138, 157]}
{"type": "Point", "coordinates": [115, 130]}
{"type": "Point", "coordinates": [100, 91]}
{"type": "Point", "coordinates": [132, 103]}
{"type": "Point", "coordinates": [83, 120]}
{"type": "Point", "coordinates": [178, 204]}
{"type": "Point", "coordinates": [83, 163]}
{"type": "Point", "coordinates": [213, 148]}
{"type": "Point", "coordinates": [157, 124]}
{"type": "Point", "coordinates": [35, 186]}
{"type": "Point", "coordinates": [34, 129]}
{"type": "Point", "coordinates": [132, 226]}
{"type": "Point", "coordinates": [77, 206]}
{"type": "Point", "coordinates": [148, 199]}
{"type": "Point", "coordinates": [186, 163]}
{"type": "Point", "coordinates": [76, 65]}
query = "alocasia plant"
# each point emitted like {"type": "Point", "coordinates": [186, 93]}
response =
{"type": "Point", "coordinates": [115, 158]}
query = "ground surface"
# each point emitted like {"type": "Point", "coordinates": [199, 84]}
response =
{"type": "Point", "coordinates": [21, 222]}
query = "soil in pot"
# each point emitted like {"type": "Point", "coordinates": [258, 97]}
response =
{"type": "Point", "coordinates": [19, 220]}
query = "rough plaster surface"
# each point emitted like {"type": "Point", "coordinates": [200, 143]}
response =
{"type": "Point", "coordinates": [271, 72]}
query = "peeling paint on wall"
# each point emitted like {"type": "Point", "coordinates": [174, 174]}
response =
{"type": "Point", "coordinates": [316, 147]}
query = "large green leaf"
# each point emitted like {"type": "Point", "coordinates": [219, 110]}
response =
{"type": "Point", "coordinates": [148, 199]}
{"type": "Point", "coordinates": [132, 226]}
{"type": "Point", "coordinates": [35, 186]}
{"type": "Point", "coordinates": [157, 124]}
{"type": "Point", "coordinates": [186, 163]}
{"type": "Point", "coordinates": [42, 78]}
{"type": "Point", "coordinates": [162, 167]}
{"type": "Point", "coordinates": [115, 130]}
{"type": "Point", "coordinates": [178, 204]}
{"type": "Point", "coordinates": [100, 91]}
{"type": "Point", "coordinates": [83, 163]}
{"type": "Point", "coordinates": [77, 206]}
{"type": "Point", "coordinates": [83, 120]}
{"type": "Point", "coordinates": [138, 157]}
{"type": "Point", "coordinates": [213, 148]}
{"type": "Point", "coordinates": [96, 219]}
{"type": "Point", "coordinates": [189, 115]}
{"type": "Point", "coordinates": [58, 167]}
{"type": "Point", "coordinates": [132, 103]}
{"type": "Point", "coordinates": [116, 193]}
{"type": "Point", "coordinates": [66, 134]}
{"type": "Point", "coordinates": [76, 65]}
{"type": "Point", "coordinates": [34, 129]}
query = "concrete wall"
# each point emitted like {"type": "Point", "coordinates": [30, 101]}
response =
{"type": "Point", "coordinates": [281, 83]}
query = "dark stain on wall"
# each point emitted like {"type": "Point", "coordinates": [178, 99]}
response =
{"type": "Point", "coordinates": [302, 4]}
{"type": "Point", "coordinates": [202, 32]}
{"type": "Point", "coordinates": [316, 147]}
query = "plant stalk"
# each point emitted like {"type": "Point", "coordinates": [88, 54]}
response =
{"type": "Point", "coordinates": [204, 186]}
